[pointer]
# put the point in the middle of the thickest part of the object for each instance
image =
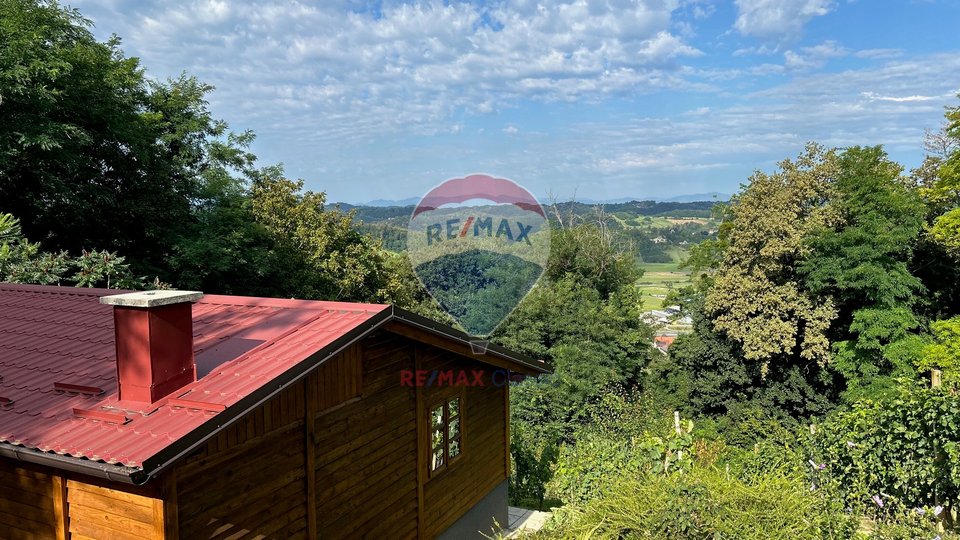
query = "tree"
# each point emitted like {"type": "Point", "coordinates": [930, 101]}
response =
{"type": "Point", "coordinates": [593, 345]}
{"type": "Point", "coordinates": [943, 352]}
{"type": "Point", "coordinates": [588, 250]}
{"type": "Point", "coordinates": [860, 261]}
{"type": "Point", "coordinates": [756, 297]}
{"type": "Point", "coordinates": [93, 154]}
{"type": "Point", "coordinates": [22, 261]}
{"type": "Point", "coordinates": [333, 260]}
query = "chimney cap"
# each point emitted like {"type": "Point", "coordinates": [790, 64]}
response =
{"type": "Point", "coordinates": [149, 299]}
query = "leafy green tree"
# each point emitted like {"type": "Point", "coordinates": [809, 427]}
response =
{"type": "Point", "coordinates": [22, 261]}
{"type": "Point", "coordinates": [860, 261]}
{"type": "Point", "coordinates": [756, 297]}
{"type": "Point", "coordinates": [92, 153]}
{"type": "Point", "coordinates": [593, 254]}
{"type": "Point", "coordinates": [944, 351]}
{"type": "Point", "coordinates": [333, 260]}
{"type": "Point", "coordinates": [593, 345]}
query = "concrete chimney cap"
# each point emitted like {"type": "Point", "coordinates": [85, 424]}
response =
{"type": "Point", "coordinates": [149, 299]}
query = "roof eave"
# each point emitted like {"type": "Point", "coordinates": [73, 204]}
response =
{"type": "Point", "coordinates": [113, 473]}
{"type": "Point", "coordinates": [517, 362]}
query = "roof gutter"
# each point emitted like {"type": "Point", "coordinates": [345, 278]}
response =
{"type": "Point", "coordinates": [113, 473]}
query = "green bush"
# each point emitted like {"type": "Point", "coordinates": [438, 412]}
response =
{"type": "Point", "coordinates": [904, 448]}
{"type": "Point", "coordinates": [705, 502]}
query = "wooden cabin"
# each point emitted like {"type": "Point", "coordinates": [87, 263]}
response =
{"type": "Point", "coordinates": [175, 415]}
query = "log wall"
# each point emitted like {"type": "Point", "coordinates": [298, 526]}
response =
{"type": "Point", "coordinates": [41, 503]}
{"type": "Point", "coordinates": [483, 463]}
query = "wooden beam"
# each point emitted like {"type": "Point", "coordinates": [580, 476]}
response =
{"type": "Point", "coordinates": [422, 444]}
{"type": "Point", "coordinates": [310, 444]}
{"type": "Point", "coordinates": [60, 513]}
{"type": "Point", "coordinates": [166, 509]}
{"type": "Point", "coordinates": [506, 428]}
{"type": "Point", "coordinates": [456, 347]}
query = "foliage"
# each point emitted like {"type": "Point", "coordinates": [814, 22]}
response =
{"type": "Point", "coordinates": [22, 261]}
{"type": "Point", "coordinates": [904, 448]}
{"type": "Point", "coordinates": [331, 259]}
{"type": "Point", "coordinates": [755, 298]}
{"type": "Point", "coordinates": [705, 502]}
{"type": "Point", "coordinates": [711, 372]}
{"type": "Point", "coordinates": [860, 261]}
{"type": "Point", "coordinates": [478, 287]}
{"type": "Point", "coordinates": [592, 254]}
{"type": "Point", "coordinates": [93, 153]}
{"type": "Point", "coordinates": [531, 462]}
{"type": "Point", "coordinates": [944, 352]}
{"type": "Point", "coordinates": [610, 449]}
{"type": "Point", "coordinates": [592, 344]}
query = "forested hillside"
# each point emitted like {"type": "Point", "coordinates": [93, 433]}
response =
{"type": "Point", "coordinates": [816, 396]}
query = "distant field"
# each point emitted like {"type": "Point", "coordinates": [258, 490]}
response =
{"type": "Point", "coordinates": [681, 220]}
{"type": "Point", "coordinates": [659, 278]}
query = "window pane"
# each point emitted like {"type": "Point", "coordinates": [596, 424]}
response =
{"type": "Point", "coordinates": [436, 416]}
{"type": "Point", "coordinates": [454, 448]}
{"type": "Point", "coordinates": [454, 427]}
{"type": "Point", "coordinates": [454, 407]}
{"type": "Point", "coordinates": [437, 460]}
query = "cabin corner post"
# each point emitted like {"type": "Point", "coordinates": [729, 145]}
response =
{"type": "Point", "coordinates": [421, 442]}
{"type": "Point", "coordinates": [506, 429]}
{"type": "Point", "coordinates": [166, 509]}
{"type": "Point", "coordinates": [60, 513]}
{"type": "Point", "coordinates": [309, 440]}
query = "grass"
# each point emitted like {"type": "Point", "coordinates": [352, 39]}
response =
{"type": "Point", "coordinates": [659, 278]}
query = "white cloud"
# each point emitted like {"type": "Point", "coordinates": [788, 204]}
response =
{"type": "Point", "coordinates": [330, 71]}
{"type": "Point", "coordinates": [813, 57]}
{"type": "Point", "coordinates": [778, 19]}
{"type": "Point", "coordinates": [872, 96]}
{"type": "Point", "coordinates": [879, 54]}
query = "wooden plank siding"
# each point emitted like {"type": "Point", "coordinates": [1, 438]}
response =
{"type": "Point", "coordinates": [110, 514]}
{"type": "Point", "coordinates": [367, 449]}
{"type": "Point", "coordinates": [253, 480]}
{"type": "Point", "coordinates": [39, 502]}
{"type": "Point", "coordinates": [480, 467]}
{"type": "Point", "coordinates": [27, 506]}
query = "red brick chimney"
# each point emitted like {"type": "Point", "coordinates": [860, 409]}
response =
{"type": "Point", "coordinates": [154, 336]}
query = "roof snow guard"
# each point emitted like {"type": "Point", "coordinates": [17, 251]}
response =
{"type": "Point", "coordinates": [59, 393]}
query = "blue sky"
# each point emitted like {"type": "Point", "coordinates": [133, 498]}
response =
{"type": "Point", "coordinates": [602, 99]}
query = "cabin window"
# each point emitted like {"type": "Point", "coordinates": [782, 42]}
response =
{"type": "Point", "coordinates": [446, 429]}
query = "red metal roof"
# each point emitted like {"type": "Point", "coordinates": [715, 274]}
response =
{"type": "Point", "coordinates": [58, 373]}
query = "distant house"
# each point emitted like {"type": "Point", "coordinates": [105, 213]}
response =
{"type": "Point", "coordinates": [655, 317]}
{"type": "Point", "coordinates": [659, 240]}
{"type": "Point", "coordinates": [171, 415]}
{"type": "Point", "coordinates": [663, 342]}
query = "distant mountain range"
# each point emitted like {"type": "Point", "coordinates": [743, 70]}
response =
{"type": "Point", "coordinates": [695, 197]}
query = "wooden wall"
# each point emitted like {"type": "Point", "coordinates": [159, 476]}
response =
{"type": "Point", "coordinates": [41, 503]}
{"type": "Point", "coordinates": [483, 463]}
{"type": "Point", "coordinates": [97, 513]}
{"type": "Point", "coordinates": [254, 479]}
{"type": "Point", "coordinates": [366, 451]}
{"type": "Point", "coordinates": [27, 503]}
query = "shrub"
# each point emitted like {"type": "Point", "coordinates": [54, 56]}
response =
{"type": "Point", "coordinates": [705, 502]}
{"type": "Point", "coordinates": [905, 448]}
